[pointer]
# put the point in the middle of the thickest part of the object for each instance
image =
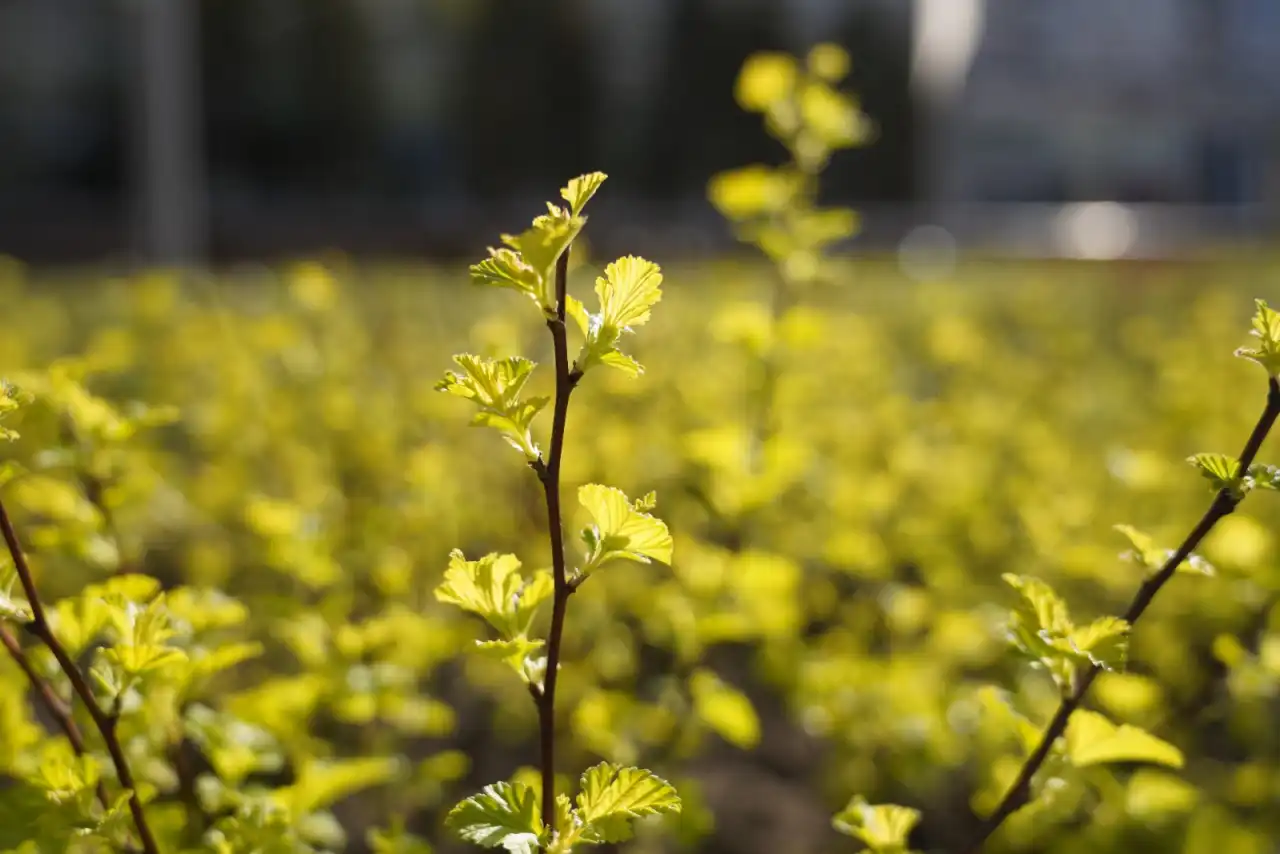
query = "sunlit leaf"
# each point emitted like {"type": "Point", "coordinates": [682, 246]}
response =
{"type": "Point", "coordinates": [1094, 740]}
{"type": "Point", "coordinates": [621, 530]}
{"type": "Point", "coordinates": [884, 828]}
{"type": "Point", "coordinates": [581, 189]}
{"type": "Point", "coordinates": [724, 709]}
{"type": "Point", "coordinates": [610, 797]}
{"type": "Point", "coordinates": [493, 588]}
{"type": "Point", "coordinates": [494, 385]}
{"type": "Point", "coordinates": [628, 290]}
{"type": "Point", "coordinates": [503, 815]}
{"type": "Point", "coordinates": [1266, 328]}
{"type": "Point", "coordinates": [1219, 469]}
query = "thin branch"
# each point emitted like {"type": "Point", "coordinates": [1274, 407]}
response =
{"type": "Point", "coordinates": [39, 626]}
{"type": "Point", "coordinates": [52, 703]}
{"type": "Point", "coordinates": [549, 474]}
{"type": "Point", "coordinates": [1224, 503]}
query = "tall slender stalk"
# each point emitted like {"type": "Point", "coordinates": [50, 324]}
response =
{"type": "Point", "coordinates": [105, 724]}
{"type": "Point", "coordinates": [549, 475]}
{"type": "Point", "coordinates": [1224, 503]}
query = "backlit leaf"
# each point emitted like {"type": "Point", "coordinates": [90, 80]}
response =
{"type": "Point", "coordinates": [503, 815]}
{"type": "Point", "coordinates": [621, 530]}
{"type": "Point", "coordinates": [884, 828]}
{"type": "Point", "coordinates": [1094, 740]}
{"type": "Point", "coordinates": [611, 796]}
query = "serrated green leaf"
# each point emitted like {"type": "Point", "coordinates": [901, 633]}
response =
{"type": "Point", "coordinates": [1041, 607]}
{"type": "Point", "coordinates": [504, 268]}
{"type": "Point", "coordinates": [1105, 642]}
{"type": "Point", "coordinates": [581, 189]}
{"type": "Point", "coordinates": [1220, 470]}
{"type": "Point", "coordinates": [884, 828]}
{"type": "Point", "coordinates": [502, 815]}
{"type": "Point", "coordinates": [1261, 476]}
{"type": "Point", "coordinates": [494, 385]}
{"type": "Point", "coordinates": [1145, 552]}
{"type": "Point", "coordinates": [628, 290]}
{"type": "Point", "coordinates": [142, 631]}
{"type": "Point", "coordinates": [725, 709]}
{"type": "Point", "coordinates": [1266, 328]}
{"type": "Point", "coordinates": [621, 530]}
{"type": "Point", "coordinates": [493, 588]}
{"type": "Point", "coordinates": [516, 652]}
{"type": "Point", "coordinates": [1144, 549]}
{"type": "Point", "coordinates": [610, 797]}
{"type": "Point", "coordinates": [1040, 618]}
{"type": "Point", "coordinates": [1094, 740]}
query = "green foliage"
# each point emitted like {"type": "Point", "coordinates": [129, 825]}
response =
{"type": "Point", "coordinates": [1041, 628]}
{"type": "Point", "coordinates": [1266, 328]}
{"type": "Point", "coordinates": [883, 828]}
{"type": "Point", "coordinates": [495, 387]}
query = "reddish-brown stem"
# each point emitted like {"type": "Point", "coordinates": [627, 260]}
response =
{"type": "Point", "coordinates": [1224, 503]}
{"type": "Point", "coordinates": [549, 474]}
{"type": "Point", "coordinates": [52, 703]}
{"type": "Point", "coordinates": [40, 628]}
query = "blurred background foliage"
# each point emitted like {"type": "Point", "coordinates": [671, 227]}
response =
{"type": "Point", "coordinates": [835, 605]}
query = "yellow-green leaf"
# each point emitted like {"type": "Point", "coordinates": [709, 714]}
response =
{"type": "Point", "coordinates": [725, 709]}
{"type": "Point", "coordinates": [1094, 740]}
{"type": "Point", "coordinates": [494, 385]}
{"type": "Point", "coordinates": [1266, 328]}
{"type": "Point", "coordinates": [581, 189]}
{"type": "Point", "coordinates": [884, 828]}
{"type": "Point", "coordinates": [611, 796]}
{"type": "Point", "coordinates": [502, 815]}
{"type": "Point", "coordinates": [621, 530]}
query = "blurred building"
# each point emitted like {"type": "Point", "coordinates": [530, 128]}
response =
{"type": "Point", "coordinates": [298, 124]}
{"type": "Point", "coordinates": [1168, 101]}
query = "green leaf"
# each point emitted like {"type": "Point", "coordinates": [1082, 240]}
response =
{"type": "Point", "coordinates": [621, 529]}
{"type": "Point", "coordinates": [1260, 476]}
{"type": "Point", "coordinates": [527, 264]}
{"type": "Point", "coordinates": [628, 291]}
{"type": "Point", "coordinates": [581, 189]}
{"type": "Point", "coordinates": [1220, 470]}
{"type": "Point", "coordinates": [493, 588]}
{"type": "Point", "coordinates": [1266, 328]}
{"type": "Point", "coordinates": [13, 605]}
{"type": "Point", "coordinates": [494, 385]}
{"type": "Point", "coordinates": [1105, 642]}
{"type": "Point", "coordinates": [321, 783]}
{"type": "Point", "coordinates": [610, 797]}
{"type": "Point", "coordinates": [505, 268]}
{"type": "Point", "coordinates": [884, 828]}
{"type": "Point", "coordinates": [1041, 628]}
{"type": "Point", "coordinates": [724, 709]}
{"type": "Point", "coordinates": [1040, 619]}
{"type": "Point", "coordinates": [1094, 740]}
{"type": "Point", "coordinates": [503, 815]}
{"type": "Point", "coordinates": [516, 652]}
{"type": "Point", "coordinates": [142, 631]}
{"type": "Point", "coordinates": [1145, 552]}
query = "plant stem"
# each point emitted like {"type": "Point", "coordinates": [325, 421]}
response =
{"type": "Point", "coordinates": [1224, 503]}
{"type": "Point", "coordinates": [549, 474]}
{"type": "Point", "coordinates": [39, 626]}
{"type": "Point", "coordinates": [52, 703]}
